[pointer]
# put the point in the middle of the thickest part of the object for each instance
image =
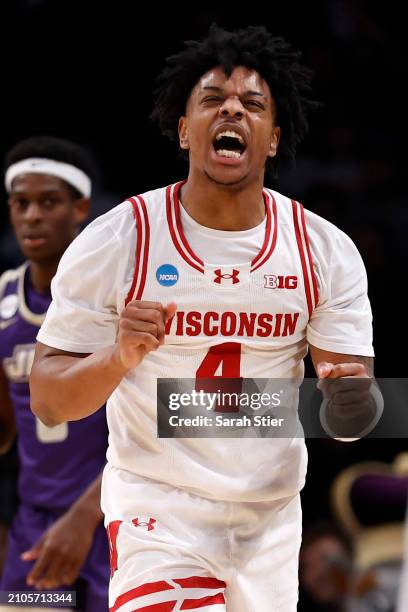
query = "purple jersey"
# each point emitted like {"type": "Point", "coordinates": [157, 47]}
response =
{"type": "Point", "coordinates": [91, 585]}
{"type": "Point", "coordinates": [56, 463]}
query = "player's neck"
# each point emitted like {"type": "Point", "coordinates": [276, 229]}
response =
{"type": "Point", "coordinates": [41, 275]}
{"type": "Point", "coordinates": [223, 207]}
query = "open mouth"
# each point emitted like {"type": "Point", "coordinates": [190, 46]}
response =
{"type": "Point", "coordinates": [229, 143]}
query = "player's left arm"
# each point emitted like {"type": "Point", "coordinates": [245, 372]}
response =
{"type": "Point", "coordinates": [342, 321]}
{"type": "Point", "coordinates": [336, 365]}
{"type": "Point", "coordinates": [62, 550]}
{"type": "Point", "coordinates": [353, 402]}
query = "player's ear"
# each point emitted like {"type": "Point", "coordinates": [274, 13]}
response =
{"type": "Point", "coordinates": [81, 209]}
{"type": "Point", "coordinates": [183, 133]}
{"type": "Point", "coordinates": [274, 141]}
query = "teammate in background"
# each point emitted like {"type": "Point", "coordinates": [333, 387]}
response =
{"type": "Point", "coordinates": [57, 539]}
{"type": "Point", "coordinates": [214, 276]}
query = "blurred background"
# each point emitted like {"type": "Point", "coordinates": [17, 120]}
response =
{"type": "Point", "coordinates": [86, 71]}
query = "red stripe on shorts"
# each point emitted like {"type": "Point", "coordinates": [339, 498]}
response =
{"type": "Point", "coordinates": [165, 606]}
{"type": "Point", "coordinates": [200, 582]}
{"type": "Point", "coordinates": [194, 604]}
{"type": "Point", "coordinates": [144, 589]}
{"type": "Point", "coordinates": [192, 582]}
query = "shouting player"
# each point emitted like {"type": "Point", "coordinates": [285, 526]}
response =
{"type": "Point", "coordinates": [57, 539]}
{"type": "Point", "coordinates": [213, 276]}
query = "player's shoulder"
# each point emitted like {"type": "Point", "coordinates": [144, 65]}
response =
{"type": "Point", "coordinates": [107, 228]}
{"type": "Point", "coordinates": [324, 236]}
{"type": "Point", "coordinates": [119, 217]}
{"type": "Point", "coordinates": [109, 233]}
{"type": "Point", "coordinates": [288, 208]}
{"type": "Point", "coordinates": [115, 216]}
{"type": "Point", "coordinates": [155, 196]}
{"type": "Point", "coordinates": [11, 277]}
{"type": "Point", "coordinates": [283, 206]}
{"type": "Point", "coordinates": [315, 224]}
{"type": "Point", "coordinates": [323, 232]}
{"type": "Point", "coordinates": [9, 293]}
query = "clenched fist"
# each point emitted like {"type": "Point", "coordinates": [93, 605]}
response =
{"type": "Point", "coordinates": [141, 330]}
{"type": "Point", "coordinates": [352, 404]}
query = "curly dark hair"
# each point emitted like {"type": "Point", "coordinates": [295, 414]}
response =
{"type": "Point", "coordinates": [58, 149]}
{"type": "Point", "coordinates": [255, 48]}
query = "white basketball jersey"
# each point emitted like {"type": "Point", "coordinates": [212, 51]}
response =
{"type": "Point", "coordinates": [241, 320]}
{"type": "Point", "coordinates": [244, 320]}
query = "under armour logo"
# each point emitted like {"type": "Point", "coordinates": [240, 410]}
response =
{"type": "Point", "coordinates": [219, 276]}
{"type": "Point", "coordinates": [149, 524]}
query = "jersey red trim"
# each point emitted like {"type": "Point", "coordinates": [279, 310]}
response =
{"type": "Point", "coordinates": [182, 246]}
{"type": "Point", "coordinates": [309, 254]}
{"type": "Point", "coordinates": [176, 231]}
{"type": "Point", "coordinates": [271, 232]}
{"type": "Point", "coordinates": [146, 249]}
{"type": "Point", "coordinates": [305, 256]}
{"type": "Point", "coordinates": [180, 227]}
{"type": "Point", "coordinates": [133, 203]}
{"type": "Point", "coordinates": [142, 248]}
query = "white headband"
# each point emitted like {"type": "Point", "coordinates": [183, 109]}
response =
{"type": "Point", "coordinates": [72, 175]}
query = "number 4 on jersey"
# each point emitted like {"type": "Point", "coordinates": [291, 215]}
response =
{"type": "Point", "coordinates": [221, 361]}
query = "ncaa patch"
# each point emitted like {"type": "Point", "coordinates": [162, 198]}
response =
{"type": "Point", "coordinates": [167, 275]}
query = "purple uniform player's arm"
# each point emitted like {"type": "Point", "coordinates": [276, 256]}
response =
{"type": "Point", "coordinates": [62, 550]}
{"type": "Point", "coordinates": [7, 420]}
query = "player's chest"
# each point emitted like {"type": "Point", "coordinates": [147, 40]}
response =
{"type": "Point", "coordinates": [270, 282]}
{"type": "Point", "coordinates": [228, 301]}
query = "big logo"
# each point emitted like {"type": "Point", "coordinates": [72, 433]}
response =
{"type": "Point", "coordinates": [277, 281]}
{"type": "Point", "coordinates": [167, 275]}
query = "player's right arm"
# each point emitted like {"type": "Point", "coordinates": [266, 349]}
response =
{"type": "Point", "coordinates": [7, 420]}
{"type": "Point", "coordinates": [94, 333]}
{"type": "Point", "coordinates": [66, 386]}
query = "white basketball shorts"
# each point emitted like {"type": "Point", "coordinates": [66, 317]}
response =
{"type": "Point", "coordinates": [172, 551]}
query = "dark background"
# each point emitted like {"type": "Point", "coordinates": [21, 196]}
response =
{"type": "Point", "coordinates": [86, 71]}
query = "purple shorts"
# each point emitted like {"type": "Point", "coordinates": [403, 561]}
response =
{"type": "Point", "coordinates": [93, 581]}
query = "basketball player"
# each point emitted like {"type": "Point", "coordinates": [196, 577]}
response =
{"type": "Point", "coordinates": [57, 539]}
{"type": "Point", "coordinates": [213, 276]}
